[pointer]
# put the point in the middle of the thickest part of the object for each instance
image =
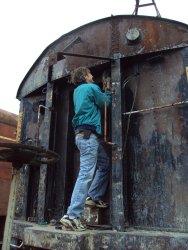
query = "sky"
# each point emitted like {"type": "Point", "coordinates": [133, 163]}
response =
{"type": "Point", "coordinates": [29, 26]}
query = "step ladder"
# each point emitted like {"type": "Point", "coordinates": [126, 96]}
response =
{"type": "Point", "coordinates": [138, 5]}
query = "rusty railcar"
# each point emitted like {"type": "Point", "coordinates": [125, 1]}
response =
{"type": "Point", "coordinates": [8, 125]}
{"type": "Point", "coordinates": [147, 59]}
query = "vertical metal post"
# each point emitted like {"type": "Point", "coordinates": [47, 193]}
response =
{"type": "Point", "coordinates": [117, 207]}
{"type": "Point", "coordinates": [45, 143]}
{"type": "Point", "coordinates": [10, 211]}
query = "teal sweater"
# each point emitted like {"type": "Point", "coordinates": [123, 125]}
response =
{"type": "Point", "coordinates": [89, 101]}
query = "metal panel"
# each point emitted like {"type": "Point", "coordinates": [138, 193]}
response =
{"type": "Point", "coordinates": [38, 78]}
{"type": "Point", "coordinates": [58, 70]}
{"type": "Point", "coordinates": [117, 201]}
{"type": "Point", "coordinates": [108, 36]}
{"type": "Point", "coordinates": [158, 145]}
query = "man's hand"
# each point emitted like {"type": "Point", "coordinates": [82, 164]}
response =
{"type": "Point", "coordinates": [106, 83]}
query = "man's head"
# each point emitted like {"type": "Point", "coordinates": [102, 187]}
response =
{"type": "Point", "coordinates": [81, 75]}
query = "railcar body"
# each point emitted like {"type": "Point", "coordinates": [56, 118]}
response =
{"type": "Point", "coordinates": [8, 124]}
{"type": "Point", "coordinates": [147, 60]}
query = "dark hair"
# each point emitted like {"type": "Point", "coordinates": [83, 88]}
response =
{"type": "Point", "coordinates": [78, 75]}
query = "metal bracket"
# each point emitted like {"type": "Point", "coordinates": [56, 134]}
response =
{"type": "Point", "coordinates": [138, 5]}
{"type": "Point", "coordinates": [13, 245]}
{"type": "Point", "coordinates": [86, 56]}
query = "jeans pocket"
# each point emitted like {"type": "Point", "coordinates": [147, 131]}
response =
{"type": "Point", "coordinates": [85, 145]}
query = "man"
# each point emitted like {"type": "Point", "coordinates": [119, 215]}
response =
{"type": "Point", "coordinates": [89, 101]}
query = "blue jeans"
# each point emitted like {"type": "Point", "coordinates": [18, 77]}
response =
{"type": "Point", "coordinates": [92, 157]}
